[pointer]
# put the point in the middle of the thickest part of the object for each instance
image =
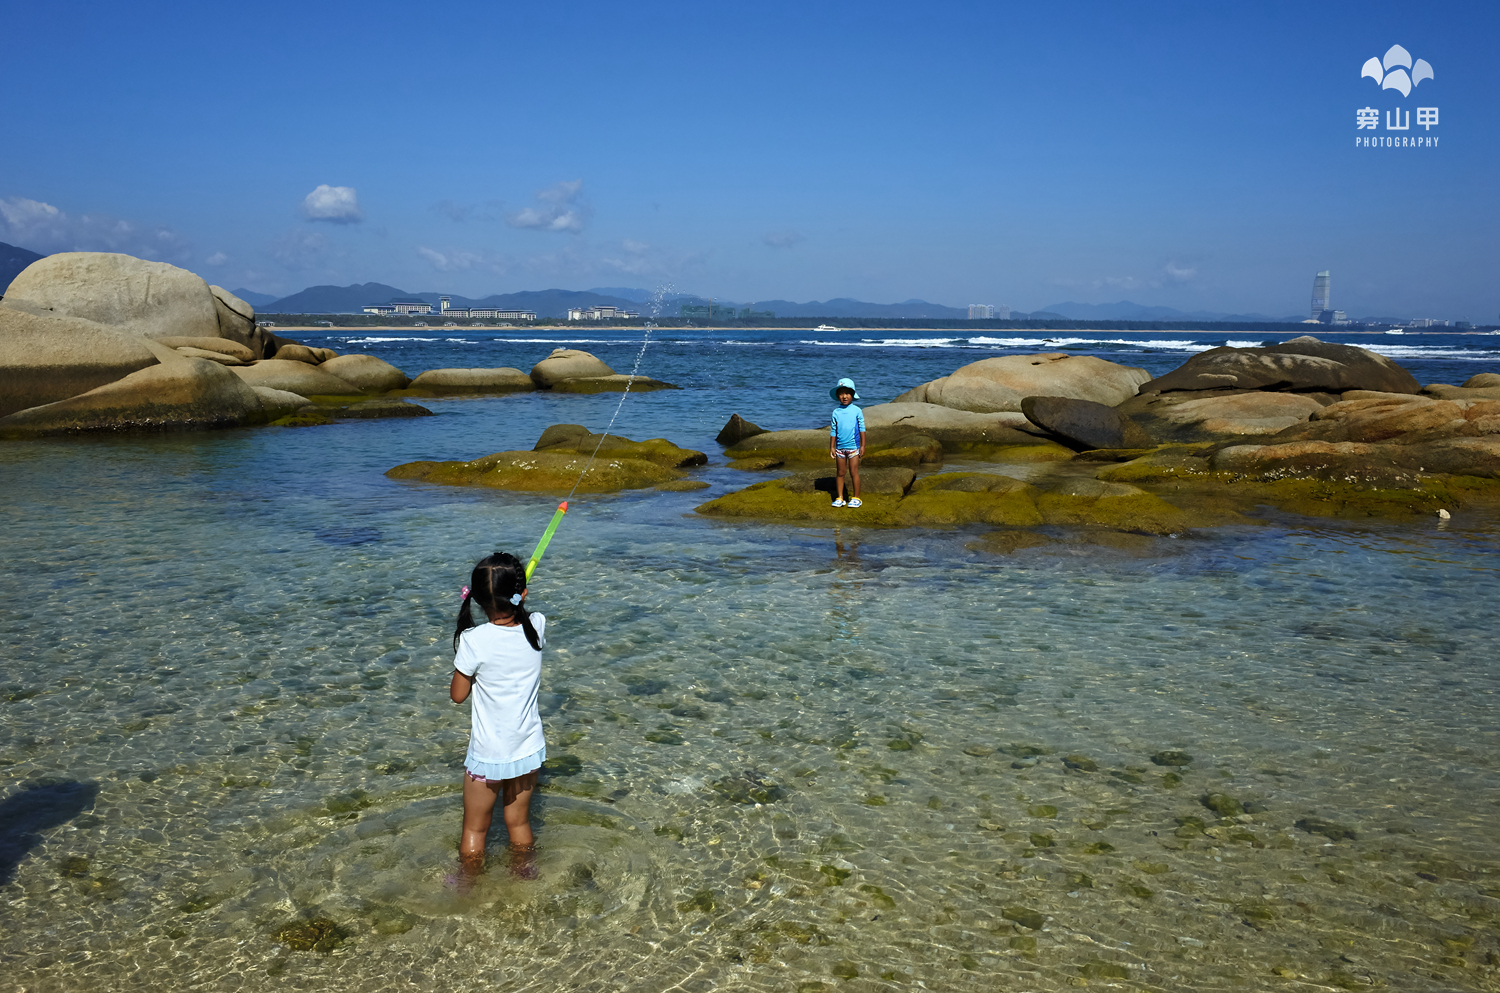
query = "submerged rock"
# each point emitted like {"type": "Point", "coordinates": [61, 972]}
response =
{"type": "Point", "coordinates": [1172, 758]}
{"type": "Point", "coordinates": [1222, 804]}
{"type": "Point", "coordinates": [616, 383]}
{"type": "Point", "coordinates": [750, 786]}
{"type": "Point", "coordinates": [366, 409]}
{"type": "Point", "coordinates": [319, 934]}
{"type": "Point", "coordinates": [1328, 829]}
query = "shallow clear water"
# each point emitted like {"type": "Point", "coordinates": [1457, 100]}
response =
{"type": "Point", "coordinates": [223, 708]}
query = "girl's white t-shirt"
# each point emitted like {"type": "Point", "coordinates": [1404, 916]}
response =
{"type": "Point", "coordinates": [507, 673]}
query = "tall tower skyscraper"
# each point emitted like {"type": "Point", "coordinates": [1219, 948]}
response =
{"type": "Point", "coordinates": [1320, 294]}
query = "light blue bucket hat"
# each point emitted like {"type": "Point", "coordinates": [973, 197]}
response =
{"type": "Point", "coordinates": [845, 382]}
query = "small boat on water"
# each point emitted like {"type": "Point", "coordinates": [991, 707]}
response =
{"type": "Point", "coordinates": [825, 327]}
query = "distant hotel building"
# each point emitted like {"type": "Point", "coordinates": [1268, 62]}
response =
{"type": "Point", "coordinates": [409, 305]}
{"type": "Point", "coordinates": [600, 313]}
{"type": "Point", "coordinates": [400, 305]}
{"type": "Point", "coordinates": [986, 312]}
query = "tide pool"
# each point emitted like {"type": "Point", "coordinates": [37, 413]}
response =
{"type": "Point", "coordinates": [781, 756]}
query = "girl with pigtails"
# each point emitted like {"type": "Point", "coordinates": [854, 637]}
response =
{"type": "Point", "coordinates": [498, 665]}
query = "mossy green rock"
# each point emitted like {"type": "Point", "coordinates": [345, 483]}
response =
{"type": "Point", "coordinates": [1170, 758]}
{"type": "Point", "coordinates": [1103, 970]}
{"type": "Point", "coordinates": [575, 439]}
{"type": "Point", "coordinates": [1025, 916]}
{"type": "Point", "coordinates": [1222, 804]}
{"type": "Point", "coordinates": [617, 383]}
{"type": "Point", "coordinates": [540, 472]}
{"type": "Point", "coordinates": [1328, 829]}
{"type": "Point", "coordinates": [317, 934]}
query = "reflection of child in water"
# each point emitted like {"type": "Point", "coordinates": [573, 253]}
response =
{"type": "Point", "coordinates": [499, 666]}
{"type": "Point", "coordinates": [846, 440]}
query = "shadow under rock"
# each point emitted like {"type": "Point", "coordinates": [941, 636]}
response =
{"type": "Point", "coordinates": [34, 808]}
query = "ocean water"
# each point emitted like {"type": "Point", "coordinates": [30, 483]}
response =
{"type": "Point", "coordinates": [785, 758]}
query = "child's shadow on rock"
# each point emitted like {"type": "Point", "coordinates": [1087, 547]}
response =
{"type": "Point", "coordinates": [34, 808]}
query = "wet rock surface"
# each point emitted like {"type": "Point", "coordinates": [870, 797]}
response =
{"type": "Point", "coordinates": [1301, 365]}
{"type": "Point", "coordinates": [1084, 422]}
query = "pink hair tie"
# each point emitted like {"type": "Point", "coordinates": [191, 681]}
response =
{"type": "Point", "coordinates": [464, 592]}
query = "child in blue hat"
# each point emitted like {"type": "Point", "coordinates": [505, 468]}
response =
{"type": "Point", "coordinates": [846, 440]}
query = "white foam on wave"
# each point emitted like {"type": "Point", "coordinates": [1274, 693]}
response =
{"type": "Point", "coordinates": [376, 341]}
{"type": "Point", "coordinates": [1391, 350]}
{"type": "Point", "coordinates": [1155, 344]}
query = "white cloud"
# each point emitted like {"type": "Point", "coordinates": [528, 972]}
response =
{"type": "Point", "coordinates": [782, 239]}
{"type": "Point", "coordinates": [217, 258]}
{"type": "Point", "coordinates": [335, 204]}
{"type": "Point", "coordinates": [44, 228]}
{"type": "Point", "coordinates": [461, 260]}
{"type": "Point", "coordinates": [561, 210]}
{"type": "Point", "coordinates": [1179, 273]}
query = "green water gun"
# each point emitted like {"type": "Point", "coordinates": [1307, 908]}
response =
{"type": "Point", "coordinates": [541, 546]}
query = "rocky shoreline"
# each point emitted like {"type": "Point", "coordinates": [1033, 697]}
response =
{"type": "Point", "coordinates": [93, 342]}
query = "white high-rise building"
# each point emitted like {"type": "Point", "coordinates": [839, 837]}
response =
{"type": "Point", "coordinates": [981, 311]}
{"type": "Point", "coordinates": [1321, 294]}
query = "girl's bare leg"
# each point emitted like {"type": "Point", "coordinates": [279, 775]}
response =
{"type": "Point", "coordinates": [838, 486]}
{"type": "Point", "coordinates": [854, 472]}
{"type": "Point", "coordinates": [517, 810]}
{"type": "Point", "coordinates": [479, 809]}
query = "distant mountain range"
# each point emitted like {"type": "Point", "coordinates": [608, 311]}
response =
{"type": "Point", "coordinates": [556, 303]}
{"type": "Point", "coordinates": [12, 261]}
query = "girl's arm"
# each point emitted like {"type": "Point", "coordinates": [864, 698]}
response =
{"type": "Point", "coordinates": [458, 690]}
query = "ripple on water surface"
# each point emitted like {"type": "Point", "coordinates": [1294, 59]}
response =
{"type": "Point", "coordinates": [779, 758]}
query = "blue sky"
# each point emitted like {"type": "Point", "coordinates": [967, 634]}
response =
{"type": "Point", "coordinates": [1192, 155]}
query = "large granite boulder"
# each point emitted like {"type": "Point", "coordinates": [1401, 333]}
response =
{"type": "Point", "coordinates": [224, 346]}
{"type": "Point", "coordinates": [1213, 415]}
{"type": "Point", "coordinates": [1465, 392]}
{"type": "Point", "coordinates": [295, 377]}
{"type": "Point", "coordinates": [1303, 365]}
{"type": "Point", "coordinates": [237, 321]}
{"type": "Point", "coordinates": [575, 439]}
{"type": "Point", "coordinates": [146, 298]}
{"type": "Point", "coordinates": [1397, 418]}
{"type": "Point", "coordinates": [294, 351]}
{"type": "Point", "coordinates": [279, 403]}
{"type": "Point", "coordinates": [500, 380]}
{"type": "Point", "coordinates": [567, 363]}
{"type": "Point", "coordinates": [951, 425]}
{"type": "Point", "coordinates": [213, 355]}
{"type": "Point", "coordinates": [1085, 423]}
{"type": "Point", "coordinates": [1000, 384]}
{"type": "Point", "coordinates": [1484, 380]}
{"type": "Point", "coordinates": [179, 394]}
{"type": "Point", "coordinates": [45, 358]}
{"type": "Point", "coordinates": [371, 374]}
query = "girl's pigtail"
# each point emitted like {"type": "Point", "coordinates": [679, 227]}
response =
{"type": "Point", "coordinates": [524, 616]}
{"type": "Point", "coordinates": [465, 620]}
